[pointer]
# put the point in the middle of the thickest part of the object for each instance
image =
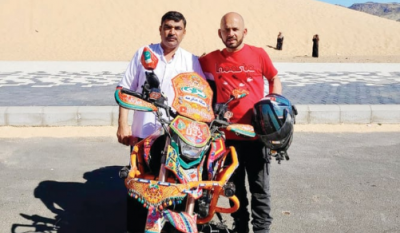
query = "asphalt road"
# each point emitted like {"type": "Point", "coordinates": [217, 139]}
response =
{"type": "Point", "coordinates": [343, 182]}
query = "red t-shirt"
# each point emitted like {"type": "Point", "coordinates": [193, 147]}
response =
{"type": "Point", "coordinates": [243, 69]}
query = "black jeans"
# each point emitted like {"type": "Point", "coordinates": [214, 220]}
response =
{"type": "Point", "coordinates": [252, 161]}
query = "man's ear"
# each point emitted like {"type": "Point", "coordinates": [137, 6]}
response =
{"type": "Point", "coordinates": [219, 33]}
{"type": "Point", "coordinates": [159, 29]}
{"type": "Point", "coordinates": [244, 32]}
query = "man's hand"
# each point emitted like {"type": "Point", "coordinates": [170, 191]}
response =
{"type": "Point", "coordinates": [275, 85]}
{"type": "Point", "coordinates": [124, 134]}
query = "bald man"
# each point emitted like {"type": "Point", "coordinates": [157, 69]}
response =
{"type": "Point", "coordinates": [242, 66]}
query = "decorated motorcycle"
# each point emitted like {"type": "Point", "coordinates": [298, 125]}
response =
{"type": "Point", "coordinates": [180, 171]}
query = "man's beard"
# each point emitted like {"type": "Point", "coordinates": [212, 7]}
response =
{"type": "Point", "coordinates": [231, 46]}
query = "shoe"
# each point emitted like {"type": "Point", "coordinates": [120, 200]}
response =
{"type": "Point", "coordinates": [238, 228]}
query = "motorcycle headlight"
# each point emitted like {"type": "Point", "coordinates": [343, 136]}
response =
{"type": "Point", "coordinates": [188, 151]}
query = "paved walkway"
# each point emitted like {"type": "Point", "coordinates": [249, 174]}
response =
{"type": "Point", "coordinates": [93, 83]}
{"type": "Point", "coordinates": [81, 93]}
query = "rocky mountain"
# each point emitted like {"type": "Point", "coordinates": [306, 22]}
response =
{"type": "Point", "coordinates": [386, 10]}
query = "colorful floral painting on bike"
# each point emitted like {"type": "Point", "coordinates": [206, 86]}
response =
{"type": "Point", "coordinates": [154, 193]}
{"type": "Point", "coordinates": [192, 132]}
{"type": "Point", "coordinates": [242, 129]}
{"type": "Point", "coordinates": [217, 150]}
{"type": "Point", "coordinates": [184, 176]}
{"type": "Point", "coordinates": [193, 97]}
{"type": "Point", "coordinates": [182, 221]}
{"type": "Point", "coordinates": [132, 102]}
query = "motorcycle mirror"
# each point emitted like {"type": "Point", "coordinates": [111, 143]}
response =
{"type": "Point", "coordinates": [149, 60]}
{"type": "Point", "coordinates": [239, 93]}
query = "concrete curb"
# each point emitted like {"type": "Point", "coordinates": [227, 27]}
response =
{"type": "Point", "coordinates": [60, 116]}
{"type": "Point", "coordinates": [108, 115]}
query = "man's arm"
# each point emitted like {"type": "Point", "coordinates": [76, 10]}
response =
{"type": "Point", "coordinates": [124, 132]}
{"type": "Point", "coordinates": [130, 81]}
{"type": "Point", "coordinates": [197, 67]}
{"type": "Point", "coordinates": [275, 85]}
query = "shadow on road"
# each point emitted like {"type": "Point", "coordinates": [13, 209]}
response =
{"type": "Point", "coordinates": [98, 205]}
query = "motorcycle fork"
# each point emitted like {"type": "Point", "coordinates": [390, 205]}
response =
{"type": "Point", "coordinates": [190, 205]}
{"type": "Point", "coordinates": [163, 171]}
{"type": "Point", "coordinates": [190, 202]}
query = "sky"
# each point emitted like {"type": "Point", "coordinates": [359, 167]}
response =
{"type": "Point", "coordinates": [348, 3]}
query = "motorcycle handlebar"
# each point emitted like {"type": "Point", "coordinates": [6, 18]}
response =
{"type": "Point", "coordinates": [221, 122]}
{"type": "Point", "coordinates": [136, 94]}
{"type": "Point", "coordinates": [129, 92]}
{"type": "Point", "coordinates": [161, 105]}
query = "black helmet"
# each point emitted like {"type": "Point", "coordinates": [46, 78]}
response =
{"type": "Point", "coordinates": [273, 121]}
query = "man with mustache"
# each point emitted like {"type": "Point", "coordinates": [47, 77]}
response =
{"type": "Point", "coordinates": [172, 60]}
{"type": "Point", "coordinates": [242, 66]}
